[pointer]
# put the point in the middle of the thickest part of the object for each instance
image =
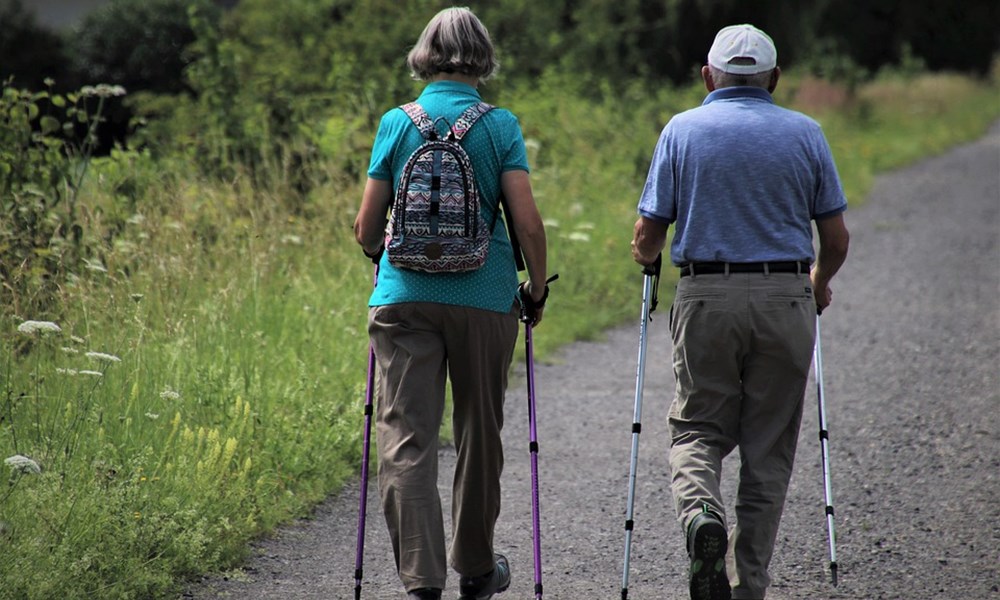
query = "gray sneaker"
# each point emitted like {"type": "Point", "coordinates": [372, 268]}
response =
{"type": "Point", "coordinates": [424, 594]}
{"type": "Point", "coordinates": [484, 586]}
{"type": "Point", "coordinates": [707, 542]}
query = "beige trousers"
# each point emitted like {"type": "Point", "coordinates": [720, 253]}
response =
{"type": "Point", "coordinates": [418, 347]}
{"type": "Point", "coordinates": [742, 352]}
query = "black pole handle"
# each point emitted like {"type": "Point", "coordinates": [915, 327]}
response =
{"type": "Point", "coordinates": [653, 270]}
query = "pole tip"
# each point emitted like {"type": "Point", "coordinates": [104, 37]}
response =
{"type": "Point", "coordinates": [833, 573]}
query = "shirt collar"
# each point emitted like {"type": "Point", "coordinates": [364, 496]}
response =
{"type": "Point", "coordinates": [739, 92]}
{"type": "Point", "coordinates": [452, 87]}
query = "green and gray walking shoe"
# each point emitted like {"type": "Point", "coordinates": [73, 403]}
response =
{"type": "Point", "coordinates": [707, 541]}
{"type": "Point", "coordinates": [485, 586]}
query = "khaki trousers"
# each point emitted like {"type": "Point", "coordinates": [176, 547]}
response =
{"type": "Point", "coordinates": [418, 346]}
{"type": "Point", "coordinates": [742, 352]}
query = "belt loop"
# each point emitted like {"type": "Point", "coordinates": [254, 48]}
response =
{"type": "Point", "coordinates": [691, 269]}
{"type": "Point", "coordinates": [726, 271]}
{"type": "Point", "coordinates": [798, 268]}
{"type": "Point", "coordinates": [767, 269]}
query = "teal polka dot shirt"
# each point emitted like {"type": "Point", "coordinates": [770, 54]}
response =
{"type": "Point", "coordinates": [495, 145]}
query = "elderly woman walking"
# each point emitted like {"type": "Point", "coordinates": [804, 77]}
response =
{"type": "Point", "coordinates": [429, 327]}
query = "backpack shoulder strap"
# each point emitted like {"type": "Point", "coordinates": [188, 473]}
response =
{"type": "Point", "coordinates": [462, 126]}
{"type": "Point", "coordinates": [421, 119]}
{"type": "Point", "coordinates": [468, 118]}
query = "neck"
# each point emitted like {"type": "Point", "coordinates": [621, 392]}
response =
{"type": "Point", "coordinates": [458, 77]}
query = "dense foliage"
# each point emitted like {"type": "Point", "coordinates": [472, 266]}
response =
{"type": "Point", "coordinates": [346, 55]}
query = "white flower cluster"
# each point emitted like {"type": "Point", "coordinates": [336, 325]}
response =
{"type": "Point", "coordinates": [22, 464]}
{"type": "Point", "coordinates": [32, 327]}
{"type": "Point", "coordinates": [43, 327]}
{"type": "Point", "coordinates": [101, 356]}
{"type": "Point", "coordinates": [102, 90]}
{"type": "Point", "coordinates": [74, 372]}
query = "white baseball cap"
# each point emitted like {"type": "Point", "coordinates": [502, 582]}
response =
{"type": "Point", "coordinates": [742, 50]}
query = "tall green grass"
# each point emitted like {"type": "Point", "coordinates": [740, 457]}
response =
{"type": "Point", "coordinates": [229, 330]}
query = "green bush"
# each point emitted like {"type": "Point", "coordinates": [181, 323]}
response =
{"type": "Point", "coordinates": [43, 237]}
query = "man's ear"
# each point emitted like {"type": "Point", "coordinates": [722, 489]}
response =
{"type": "Point", "coordinates": [775, 75]}
{"type": "Point", "coordinates": [706, 76]}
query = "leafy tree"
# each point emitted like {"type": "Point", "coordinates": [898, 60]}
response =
{"type": "Point", "coordinates": [29, 52]}
{"type": "Point", "coordinates": [944, 35]}
{"type": "Point", "coordinates": [138, 44]}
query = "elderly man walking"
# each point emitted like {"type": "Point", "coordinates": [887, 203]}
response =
{"type": "Point", "coordinates": [741, 180]}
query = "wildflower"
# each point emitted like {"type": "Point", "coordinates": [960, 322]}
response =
{"type": "Point", "coordinates": [67, 371]}
{"type": "Point", "coordinates": [22, 464]}
{"type": "Point", "coordinates": [70, 350]}
{"type": "Point", "coordinates": [292, 239]}
{"type": "Point", "coordinates": [95, 265]}
{"type": "Point", "coordinates": [152, 417]}
{"type": "Point", "coordinates": [136, 297]}
{"type": "Point", "coordinates": [102, 90]}
{"type": "Point", "coordinates": [584, 225]}
{"type": "Point", "coordinates": [169, 394]}
{"type": "Point", "coordinates": [578, 236]}
{"type": "Point", "coordinates": [77, 339]}
{"type": "Point", "coordinates": [103, 357]}
{"type": "Point", "coordinates": [91, 373]}
{"type": "Point", "coordinates": [30, 327]}
{"type": "Point", "coordinates": [550, 223]}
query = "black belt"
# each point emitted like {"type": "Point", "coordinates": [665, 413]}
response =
{"type": "Point", "coordinates": [714, 268]}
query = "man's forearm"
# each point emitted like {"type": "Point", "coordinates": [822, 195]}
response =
{"type": "Point", "coordinates": [650, 237]}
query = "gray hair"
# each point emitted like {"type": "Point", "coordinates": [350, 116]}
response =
{"type": "Point", "coordinates": [724, 80]}
{"type": "Point", "coordinates": [454, 41]}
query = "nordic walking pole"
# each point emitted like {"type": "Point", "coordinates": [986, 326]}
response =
{"type": "Point", "coordinates": [824, 438]}
{"type": "Point", "coordinates": [527, 316]}
{"type": "Point", "coordinates": [363, 502]}
{"type": "Point", "coordinates": [650, 284]}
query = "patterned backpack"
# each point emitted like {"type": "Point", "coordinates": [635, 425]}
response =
{"type": "Point", "coordinates": [435, 225]}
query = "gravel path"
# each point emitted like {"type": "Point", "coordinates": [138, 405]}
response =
{"type": "Point", "coordinates": [911, 353]}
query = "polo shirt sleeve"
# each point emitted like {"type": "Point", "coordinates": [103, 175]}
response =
{"type": "Point", "coordinates": [830, 199]}
{"type": "Point", "coordinates": [657, 199]}
{"type": "Point", "coordinates": [516, 156]}
{"type": "Point", "coordinates": [384, 145]}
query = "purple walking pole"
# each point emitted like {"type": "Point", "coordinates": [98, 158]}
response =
{"type": "Point", "coordinates": [363, 503]}
{"type": "Point", "coordinates": [527, 317]}
{"type": "Point", "coordinates": [533, 448]}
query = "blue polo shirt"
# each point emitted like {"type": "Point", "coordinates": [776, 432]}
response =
{"type": "Point", "coordinates": [741, 179]}
{"type": "Point", "coordinates": [495, 144]}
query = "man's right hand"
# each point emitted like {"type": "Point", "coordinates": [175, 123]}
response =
{"type": "Point", "coordinates": [823, 295]}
